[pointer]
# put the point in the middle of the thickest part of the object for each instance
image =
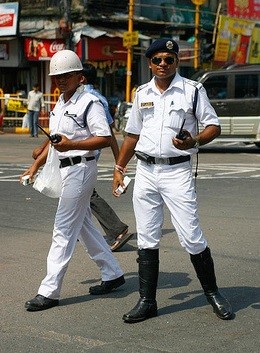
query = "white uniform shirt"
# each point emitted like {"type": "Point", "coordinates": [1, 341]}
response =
{"type": "Point", "coordinates": [157, 117]}
{"type": "Point", "coordinates": [68, 119]}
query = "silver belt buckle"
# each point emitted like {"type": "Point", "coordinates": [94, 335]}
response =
{"type": "Point", "coordinates": [161, 160]}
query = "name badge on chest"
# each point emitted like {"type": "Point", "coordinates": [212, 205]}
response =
{"type": "Point", "coordinates": [146, 105]}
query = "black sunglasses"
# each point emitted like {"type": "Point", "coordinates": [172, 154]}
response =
{"type": "Point", "coordinates": [169, 60]}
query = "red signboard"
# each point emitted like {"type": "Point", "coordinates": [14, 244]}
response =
{"type": "Point", "coordinates": [244, 9]}
{"type": "Point", "coordinates": [105, 48]}
{"type": "Point", "coordinates": [43, 49]}
{"type": "Point", "coordinates": [7, 20]}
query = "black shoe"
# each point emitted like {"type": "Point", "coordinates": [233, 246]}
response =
{"type": "Point", "coordinates": [107, 286]}
{"type": "Point", "coordinates": [40, 303]}
{"type": "Point", "coordinates": [144, 309]}
{"type": "Point", "coordinates": [221, 306]}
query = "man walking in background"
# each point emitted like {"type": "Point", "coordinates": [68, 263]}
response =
{"type": "Point", "coordinates": [35, 103]}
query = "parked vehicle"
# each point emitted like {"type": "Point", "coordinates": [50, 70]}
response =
{"type": "Point", "coordinates": [234, 92]}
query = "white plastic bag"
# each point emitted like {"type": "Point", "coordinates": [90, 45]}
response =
{"type": "Point", "coordinates": [49, 181]}
{"type": "Point", "coordinates": [25, 121]}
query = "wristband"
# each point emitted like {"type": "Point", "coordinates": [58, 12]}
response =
{"type": "Point", "coordinates": [197, 143]}
{"type": "Point", "coordinates": [120, 169]}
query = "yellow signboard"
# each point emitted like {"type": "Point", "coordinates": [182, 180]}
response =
{"type": "Point", "coordinates": [16, 106]}
{"type": "Point", "coordinates": [233, 41]}
{"type": "Point", "coordinates": [130, 38]}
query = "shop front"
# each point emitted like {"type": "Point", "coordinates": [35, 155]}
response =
{"type": "Point", "coordinates": [108, 56]}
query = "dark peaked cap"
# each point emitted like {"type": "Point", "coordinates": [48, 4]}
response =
{"type": "Point", "coordinates": [162, 45]}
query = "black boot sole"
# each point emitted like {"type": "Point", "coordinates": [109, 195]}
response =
{"type": "Point", "coordinates": [131, 320]}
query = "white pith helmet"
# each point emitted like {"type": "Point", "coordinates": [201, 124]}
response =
{"type": "Point", "coordinates": [64, 61]}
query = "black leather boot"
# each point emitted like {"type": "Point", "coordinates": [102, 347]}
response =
{"type": "Point", "coordinates": [204, 267]}
{"type": "Point", "coordinates": [148, 275]}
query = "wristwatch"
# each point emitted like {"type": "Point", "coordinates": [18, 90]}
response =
{"type": "Point", "coordinates": [196, 145]}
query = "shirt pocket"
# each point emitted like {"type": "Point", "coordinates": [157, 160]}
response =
{"type": "Point", "coordinates": [73, 122]}
{"type": "Point", "coordinates": [147, 115]}
{"type": "Point", "coordinates": [175, 115]}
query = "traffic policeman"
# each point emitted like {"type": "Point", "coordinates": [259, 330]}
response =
{"type": "Point", "coordinates": [162, 108]}
{"type": "Point", "coordinates": [81, 135]}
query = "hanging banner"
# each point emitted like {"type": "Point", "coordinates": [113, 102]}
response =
{"type": "Point", "coordinates": [249, 9]}
{"type": "Point", "coordinates": [233, 40]}
{"type": "Point", "coordinates": [254, 55]}
{"type": "Point", "coordinates": [9, 19]}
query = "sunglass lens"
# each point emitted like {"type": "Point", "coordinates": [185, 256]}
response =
{"type": "Point", "coordinates": [169, 60]}
{"type": "Point", "coordinates": [156, 61]}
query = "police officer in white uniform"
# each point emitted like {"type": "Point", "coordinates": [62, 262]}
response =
{"type": "Point", "coordinates": [164, 173]}
{"type": "Point", "coordinates": [81, 136]}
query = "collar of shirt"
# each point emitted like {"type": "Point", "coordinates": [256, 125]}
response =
{"type": "Point", "coordinates": [72, 99]}
{"type": "Point", "coordinates": [177, 82]}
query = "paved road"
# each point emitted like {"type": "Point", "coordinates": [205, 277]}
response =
{"type": "Point", "coordinates": [228, 192]}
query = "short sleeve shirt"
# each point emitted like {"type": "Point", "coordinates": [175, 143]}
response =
{"type": "Point", "coordinates": [67, 118]}
{"type": "Point", "coordinates": [157, 117]}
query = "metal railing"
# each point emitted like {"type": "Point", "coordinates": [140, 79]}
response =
{"type": "Point", "coordinates": [13, 107]}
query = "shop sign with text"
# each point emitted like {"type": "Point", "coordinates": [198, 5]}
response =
{"type": "Point", "coordinates": [105, 48]}
{"type": "Point", "coordinates": [42, 49]}
{"type": "Point", "coordinates": [8, 19]}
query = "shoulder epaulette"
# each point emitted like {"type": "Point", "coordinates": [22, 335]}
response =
{"type": "Point", "coordinates": [141, 87]}
{"type": "Point", "coordinates": [192, 83]}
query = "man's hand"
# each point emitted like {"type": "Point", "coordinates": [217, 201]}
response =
{"type": "Point", "coordinates": [64, 145]}
{"type": "Point", "coordinates": [30, 171]}
{"type": "Point", "coordinates": [185, 144]}
{"type": "Point", "coordinates": [117, 181]}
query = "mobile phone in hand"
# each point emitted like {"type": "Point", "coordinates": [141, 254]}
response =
{"type": "Point", "coordinates": [126, 182]}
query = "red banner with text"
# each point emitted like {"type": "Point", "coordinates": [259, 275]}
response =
{"type": "Point", "coordinates": [244, 9]}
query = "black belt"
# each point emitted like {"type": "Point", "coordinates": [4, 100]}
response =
{"type": "Point", "coordinates": [154, 160]}
{"type": "Point", "coordinates": [66, 162]}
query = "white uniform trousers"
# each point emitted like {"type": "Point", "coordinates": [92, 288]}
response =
{"type": "Point", "coordinates": [156, 184]}
{"type": "Point", "coordinates": [74, 221]}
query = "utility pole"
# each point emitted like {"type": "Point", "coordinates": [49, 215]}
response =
{"type": "Point", "coordinates": [129, 51]}
{"type": "Point", "coordinates": [197, 3]}
{"type": "Point", "coordinates": [66, 32]}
